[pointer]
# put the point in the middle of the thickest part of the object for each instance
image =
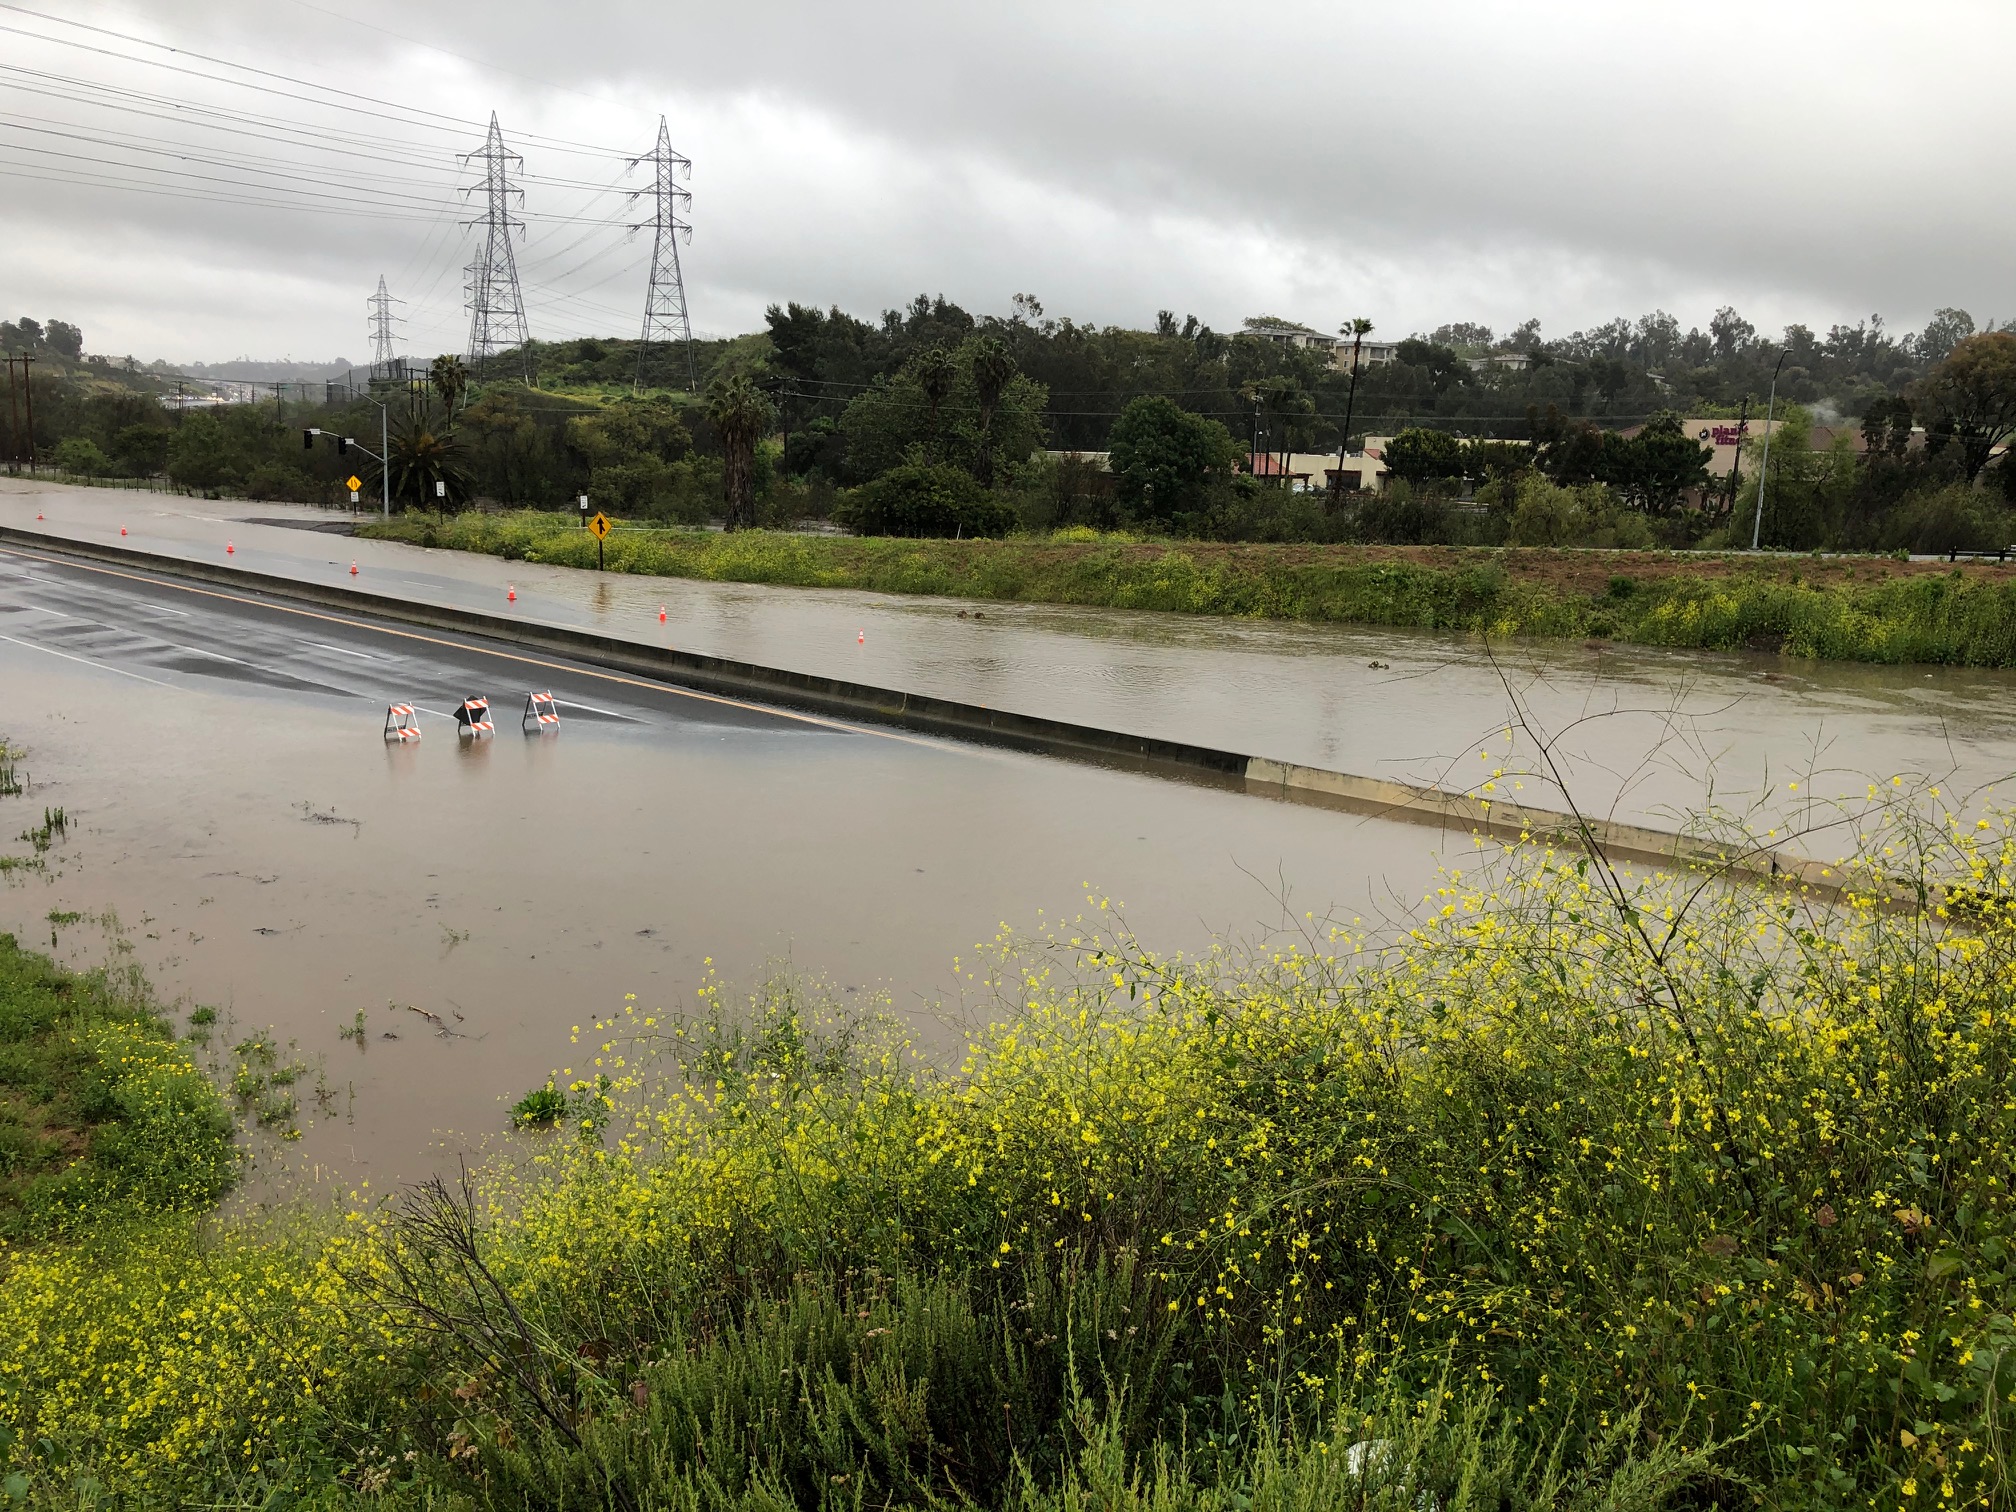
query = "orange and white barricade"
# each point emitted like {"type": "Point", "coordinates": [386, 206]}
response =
{"type": "Point", "coordinates": [540, 713]}
{"type": "Point", "coordinates": [400, 725]}
{"type": "Point", "coordinates": [473, 718]}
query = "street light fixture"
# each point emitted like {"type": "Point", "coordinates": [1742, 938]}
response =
{"type": "Point", "coordinates": [1764, 465]}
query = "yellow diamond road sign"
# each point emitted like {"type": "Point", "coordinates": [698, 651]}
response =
{"type": "Point", "coordinates": [600, 525]}
{"type": "Point", "coordinates": [355, 483]}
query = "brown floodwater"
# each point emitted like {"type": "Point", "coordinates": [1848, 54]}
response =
{"type": "Point", "coordinates": [1642, 733]}
{"type": "Point", "coordinates": [266, 853]}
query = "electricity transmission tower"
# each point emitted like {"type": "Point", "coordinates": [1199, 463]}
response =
{"type": "Point", "coordinates": [665, 318]}
{"type": "Point", "coordinates": [496, 304]}
{"type": "Point", "coordinates": [382, 321]}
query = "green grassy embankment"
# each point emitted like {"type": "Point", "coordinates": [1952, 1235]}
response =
{"type": "Point", "coordinates": [1872, 609]}
{"type": "Point", "coordinates": [101, 1110]}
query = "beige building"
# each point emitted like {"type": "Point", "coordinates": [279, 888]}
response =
{"type": "Point", "coordinates": [1370, 354]}
{"type": "Point", "coordinates": [1314, 472]}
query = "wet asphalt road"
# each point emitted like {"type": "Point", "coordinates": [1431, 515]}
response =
{"type": "Point", "coordinates": [158, 629]}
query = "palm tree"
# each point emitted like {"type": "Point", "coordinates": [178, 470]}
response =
{"type": "Point", "coordinates": [422, 456]}
{"type": "Point", "coordinates": [450, 379]}
{"type": "Point", "coordinates": [1357, 328]}
{"type": "Point", "coordinates": [740, 414]}
{"type": "Point", "coordinates": [993, 368]}
{"type": "Point", "coordinates": [936, 373]}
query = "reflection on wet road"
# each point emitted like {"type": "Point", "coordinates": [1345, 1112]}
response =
{"type": "Point", "coordinates": [233, 804]}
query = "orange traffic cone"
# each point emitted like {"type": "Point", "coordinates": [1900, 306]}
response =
{"type": "Point", "coordinates": [513, 594]}
{"type": "Point", "coordinates": [122, 530]}
{"type": "Point", "coordinates": [661, 614]}
{"type": "Point", "coordinates": [353, 569]}
{"type": "Point", "coordinates": [229, 549]}
{"type": "Point", "coordinates": [862, 638]}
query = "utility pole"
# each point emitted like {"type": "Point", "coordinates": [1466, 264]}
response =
{"type": "Point", "coordinates": [1764, 465]}
{"type": "Point", "coordinates": [28, 393]}
{"type": "Point", "coordinates": [1358, 328]}
{"type": "Point", "coordinates": [13, 420]}
{"type": "Point", "coordinates": [496, 303]}
{"type": "Point", "coordinates": [665, 317]}
{"type": "Point", "coordinates": [382, 320]}
{"type": "Point", "coordinates": [1736, 467]}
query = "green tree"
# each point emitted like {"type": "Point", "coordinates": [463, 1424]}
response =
{"type": "Point", "coordinates": [140, 451]}
{"type": "Point", "coordinates": [894, 417]}
{"type": "Point", "coordinates": [200, 455]}
{"type": "Point", "coordinates": [1657, 468]}
{"type": "Point", "coordinates": [740, 414]}
{"type": "Point", "coordinates": [1974, 390]}
{"type": "Point", "coordinates": [992, 367]}
{"type": "Point", "coordinates": [426, 465]}
{"type": "Point", "coordinates": [1418, 454]}
{"type": "Point", "coordinates": [80, 455]}
{"type": "Point", "coordinates": [937, 371]}
{"type": "Point", "coordinates": [1163, 457]}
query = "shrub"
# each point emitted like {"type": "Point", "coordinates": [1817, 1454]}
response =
{"type": "Point", "coordinates": [1954, 518]}
{"type": "Point", "coordinates": [925, 499]}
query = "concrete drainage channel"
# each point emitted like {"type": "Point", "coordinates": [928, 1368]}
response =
{"type": "Point", "coordinates": [1258, 775]}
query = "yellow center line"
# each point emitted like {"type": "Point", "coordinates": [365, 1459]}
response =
{"type": "Point", "coordinates": [511, 656]}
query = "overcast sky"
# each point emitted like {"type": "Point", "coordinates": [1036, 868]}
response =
{"type": "Point", "coordinates": [1419, 163]}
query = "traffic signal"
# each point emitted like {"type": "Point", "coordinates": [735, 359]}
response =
{"type": "Point", "coordinates": [342, 446]}
{"type": "Point", "coordinates": [308, 440]}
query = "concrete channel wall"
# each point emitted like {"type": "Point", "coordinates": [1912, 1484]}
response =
{"type": "Point", "coordinates": [1258, 775]}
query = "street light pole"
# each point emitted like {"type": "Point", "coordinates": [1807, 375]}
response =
{"type": "Point", "coordinates": [382, 457]}
{"type": "Point", "coordinates": [1764, 465]}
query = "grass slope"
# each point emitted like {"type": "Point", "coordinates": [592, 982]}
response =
{"type": "Point", "coordinates": [100, 1109]}
{"type": "Point", "coordinates": [1838, 609]}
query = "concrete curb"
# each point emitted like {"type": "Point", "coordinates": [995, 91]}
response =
{"type": "Point", "coordinates": [1258, 775]}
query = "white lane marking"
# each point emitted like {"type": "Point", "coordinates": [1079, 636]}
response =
{"type": "Point", "coordinates": [342, 650]}
{"type": "Point", "coordinates": [571, 704]}
{"type": "Point", "coordinates": [164, 609]}
{"type": "Point", "coordinates": [101, 666]}
{"type": "Point", "coordinates": [215, 655]}
{"type": "Point", "coordinates": [43, 609]}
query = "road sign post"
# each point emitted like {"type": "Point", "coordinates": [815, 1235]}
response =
{"type": "Point", "coordinates": [599, 527]}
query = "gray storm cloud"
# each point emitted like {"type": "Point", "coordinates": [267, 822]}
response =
{"type": "Point", "coordinates": [1417, 164]}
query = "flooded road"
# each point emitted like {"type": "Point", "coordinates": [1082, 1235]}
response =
{"type": "Point", "coordinates": [235, 810]}
{"type": "Point", "coordinates": [1643, 733]}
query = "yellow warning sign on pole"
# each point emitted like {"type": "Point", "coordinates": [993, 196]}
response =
{"type": "Point", "coordinates": [601, 526]}
{"type": "Point", "coordinates": [354, 483]}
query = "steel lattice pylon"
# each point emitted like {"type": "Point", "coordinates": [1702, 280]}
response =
{"type": "Point", "coordinates": [496, 304]}
{"type": "Point", "coordinates": [665, 318]}
{"type": "Point", "coordinates": [382, 321]}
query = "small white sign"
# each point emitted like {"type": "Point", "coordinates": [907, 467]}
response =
{"type": "Point", "coordinates": [440, 489]}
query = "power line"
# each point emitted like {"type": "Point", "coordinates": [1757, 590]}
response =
{"type": "Point", "coordinates": [449, 123]}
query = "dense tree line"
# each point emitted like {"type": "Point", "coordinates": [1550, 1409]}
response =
{"type": "Point", "coordinates": [931, 420]}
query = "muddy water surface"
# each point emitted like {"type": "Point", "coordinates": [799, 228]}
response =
{"type": "Point", "coordinates": [267, 854]}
